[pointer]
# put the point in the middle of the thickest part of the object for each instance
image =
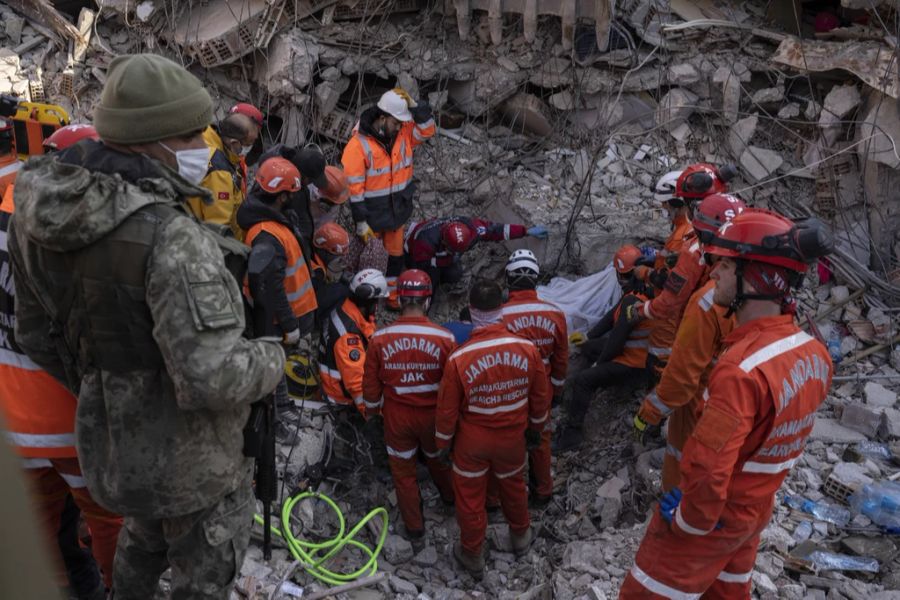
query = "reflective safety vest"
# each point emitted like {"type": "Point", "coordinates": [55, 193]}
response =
{"type": "Point", "coordinates": [634, 354]}
{"type": "Point", "coordinates": [39, 412]}
{"type": "Point", "coordinates": [297, 282]}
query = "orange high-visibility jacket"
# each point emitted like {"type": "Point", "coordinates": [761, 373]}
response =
{"type": "Point", "coordinates": [544, 324]}
{"type": "Point", "coordinates": [697, 343]}
{"type": "Point", "coordinates": [495, 380]}
{"type": "Point", "coordinates": [39, 411]}
{"type": "Point", "coordinates": [681, 229]}
{"type": "Point", "coordinates": [763, 396]}
{"type": "Point", "coordinates": [297, 283]}
{"type": "Point", "coordinates": [379, 178]}
{"type": "Point", "coordinates": [405, 363]}
{"type": "Point", "coordinates": [342, 354]}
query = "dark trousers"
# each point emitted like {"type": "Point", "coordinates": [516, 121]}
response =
{"type": "Point", "coordinates": [587, 381]}
{"type": "Point", "coordinates": [449, 274]}
{"type": "Point", "coordinates": [81, 569]}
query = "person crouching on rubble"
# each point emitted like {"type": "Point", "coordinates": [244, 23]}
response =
{"type": "Point", "coordinates": [763, 394]}
{"type": "Point", "coordinates": [493, 402]}
{"type": "Point", "coordinates": [614, 350]}
{"type": "Point", "coordinates": [331, 242]}
{"type": "Point", "coordinates": [404, 365]}
{"type": "Point", "coordinates": [126, 297]}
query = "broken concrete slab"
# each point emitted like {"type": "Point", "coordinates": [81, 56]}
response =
{"type": "Point", "coordinates": [832, 432]}
{"type": "Point", "coordinates": [791, 110]}
{"type": "Point", "coordinates": [290, 63]}
{"type": "Point", "coordinates": [879, 396]}
{"type": "Point", "coordinates": [839, 102]}
{"type": "Point", "coordinates": [489, 88]}
{"type": "Point", "coordinates": [527, 112]}
{"type": "Point", "coordinates": [741, 133]}
{"type": "Point", "coordinates": [675, 107]}
{"type": "Point", "coordinates": [759, 163]}
{"type": "Point", "coordinates": [880, 127]}
{"type": "Point", "coordinates": [770, 95]}
{"type": "Point", "coordinates": [553, 73]}
{"type": "Point", "coordinates": [683, 74]}
{"type": "Point", "coordinates": [862, 419]}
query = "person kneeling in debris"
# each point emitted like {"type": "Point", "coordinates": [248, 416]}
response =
{"type": "Point", "coordinates": [329, 268]}
{"type": "Point", "coordinates": [763, 395]}
{"type": "Point", "coordinates": [544, 324]}
{"type": "Point", "coordinates": [493, 402]}
{"type": "Point", "coordinates": [614, 351]}
{"type": "Point", "coordinates": [679, 393]}
{"type": "Point", "coordinates": [345, 337]}
{"type": "Point", "coordinates": [435, 245]}
{"type": "Point", "coordinates": [404, 365]}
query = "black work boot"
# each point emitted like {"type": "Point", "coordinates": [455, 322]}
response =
{"type": "Point", "coordinates": [569, 438]}
{"type": "Point", "coordinates": [473, 563]}
{"type": "Point", "coordinates": [521, 543]}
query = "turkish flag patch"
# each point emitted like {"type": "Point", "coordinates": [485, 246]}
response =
{"type": "Point", "coordinates": [224, 195]}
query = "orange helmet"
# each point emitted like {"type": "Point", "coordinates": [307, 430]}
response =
{"type": "Point", "coordinates": [248, 110]}
{"type": "Point", "coordinates": [70, 135]}
{"type": "Point", "coordinates": [414, 283]}
{"type": "Point", "coordinates": [701, 180]}
{"type": "Point", "coordinates": [278, 175]}
{"type": "Point", "coordinates": [626, 258]}
{"type": "Point", "coordinates": [332, 238]}
{"type": "Point", "coordinates": [714, 211]}
{"type": "Point", "coordinates": [338, 190]}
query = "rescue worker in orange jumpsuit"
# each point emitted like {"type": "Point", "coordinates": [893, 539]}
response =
{"type": "Point", "coordinates": [43, 433]}
{"type": "Point", "coordinates": [679, 393]}
{"type": "Point", "coordinates": [378, 161]}
{"type": "Point", "coordinates": [325, 203]}
{"type": "Point", "coordinates": [615, 350]}
{"type": "Point", "coordinates": [677, 210]}
{"type": "Point", "coordinates": [762, 398]}
{"type": "Point", "coordinates": [345, 337]}
{"type": "Point", "coordinates": [330, 277]}
{"type": "Point", "coordinates": [493, 402]}
{"type": "Point", "coordinates": [690, 272]}
{"type": "Point", "coordinates": [404, 365]}
{"type": "Point", "coordinates": [544, 324]}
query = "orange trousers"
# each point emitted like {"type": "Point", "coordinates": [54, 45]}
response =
{"type": "Point", "coordinates": [393, 243]}
{"type": "Point", "coordinates": [718, 565]}
{"type": "Point", "coordinates": [406, 429]}
{"type": "Point", "coordinates": [479, 452]}
{"type": "Point", "coordinates": [50, 481]}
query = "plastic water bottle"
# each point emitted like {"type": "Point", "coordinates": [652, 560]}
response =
{"type": "Point", "coordinates": [803, 531]}
{"type": "Point", "coordinates": [834, 346]}
{"type": "Point", "coordinates": [881, 503]}
{"type": "Point", "coordinates": [830, 561]}
{"type": "Point", "coordinates": [874, 450]}
{"type": "Point", "coordinates": [830, 513]}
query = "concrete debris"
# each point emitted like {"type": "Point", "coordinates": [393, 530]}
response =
{"type": "Point", "coordinates": [862, 419]}
{"type": "Point", "coordinates": [675, 107]}
{"type": "Point", "coordinates": [878, 395]}
{"type": "Point", "coordinates": [770, 95]}
{"type": "Point", "coordinates": [838, 104]}
{"type": "Point", "coordinates": [759, 163]}
{"type": "Point", "coordinates": [741, 133]}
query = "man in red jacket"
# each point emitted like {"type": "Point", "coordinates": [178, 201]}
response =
{"type": "Point", "coordinates": [762, 397]}
{"type": "Point", "coordinates": [544, 324]}
{"type": "Point", "coordinates": [404, 365]}
{"type": "Point", "coordinates": [493, 397]}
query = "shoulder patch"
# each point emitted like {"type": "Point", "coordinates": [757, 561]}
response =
{"type": "Point", "coordinates": [224, 195]}
{"type": "Point", "coordinates": [674, 282]}
{"type": "Point", "coordinates": [715, 428]}
{"type": "Point", "coordinates": [355, 355]}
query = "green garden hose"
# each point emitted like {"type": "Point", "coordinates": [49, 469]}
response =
{"type": "Point", "coordinates": [313, 555]}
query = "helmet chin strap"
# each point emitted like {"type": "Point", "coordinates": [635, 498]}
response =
{"type": "Point", "coordinates": [741, 297]}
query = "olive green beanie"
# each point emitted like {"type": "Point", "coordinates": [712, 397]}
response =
{"type": "Point", "coordinates": [148, 97]}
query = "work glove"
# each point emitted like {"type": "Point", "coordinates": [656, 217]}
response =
{"type": "Point", "coordinates": [649, 253]}
{"type": "Point", "coordinates": [364, 232]}
{"type": "Point", "coordinates": [532, 439]}
{"type": "Point", "coordinates": [640, 429]}
{"type": "Point", "coordinates": [291, 338]}
{"type": "Point", "coordinates": [668, 503]}
{"type": "Point", "coordinates": [421, 112]}
{"type": "Point", "coordinates": [443, 456]}
{"type": "Point", "coordinates": [405, 95]}
{"type": "Point", "coordinates": [538, 231]}
{"type": "Point", "coordinates": [634, 313]}
{"type": "Point", "coordinates": [577, 338]}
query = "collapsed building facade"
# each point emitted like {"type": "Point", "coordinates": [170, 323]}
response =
{"type": "Point", "coordinates": [565, 113]}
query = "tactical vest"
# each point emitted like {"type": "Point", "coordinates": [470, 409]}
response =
{"type": "Point", "coordinates": [100, 297]}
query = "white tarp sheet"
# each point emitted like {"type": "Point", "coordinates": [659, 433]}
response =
{"type": "Point", "coordinates": [584, 300]}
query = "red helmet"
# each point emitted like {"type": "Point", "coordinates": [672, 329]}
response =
{"type": "Point", "coordinates": [714, 211]}
{"type": "Point", "coordinates": [332, 238]}
{"type": "Point", "coordinates": [703, 179]}
{"type": "Point", "coordinates": [248, 110]}
{"type": "Point", "coordinates": [278, 175]}
{"type": "Point", "coordinates": [414, 283]}
{"type": "Point", "coordinates": [338, 190]}
{"type": "Point", "coordinates": [457, 236]}
{"type": "Point", "coordinates": [625, 258]}
{"type": "Point", "coordinates": [69, 135]}
{"type": "Point", "coordinates": [759, 235]}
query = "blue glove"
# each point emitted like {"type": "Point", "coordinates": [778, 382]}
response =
{"type": "Point", "coordinates": [668, 503]}
{"type": "Point", "coordinates": [538, 231]}
{"type": "Point", "coordinates": [648, 252]}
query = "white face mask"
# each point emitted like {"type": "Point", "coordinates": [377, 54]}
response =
{"type": "Point", "coordinates": [192, 163]}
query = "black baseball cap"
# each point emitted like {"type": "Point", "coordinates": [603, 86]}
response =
{"type": "Point", "coordinates": [311, 163]}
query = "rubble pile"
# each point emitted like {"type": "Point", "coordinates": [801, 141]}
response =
{"type": "Point", "coordinates": [571, 131]}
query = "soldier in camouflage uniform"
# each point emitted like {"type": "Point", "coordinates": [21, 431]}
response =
{"type": "Point", "coordinates": [125, 298]}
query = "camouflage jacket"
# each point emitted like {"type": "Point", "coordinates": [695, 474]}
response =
{"type": "Point", "coordinates": [159, 423]}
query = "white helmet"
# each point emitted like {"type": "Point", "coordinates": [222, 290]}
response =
{"type": "Point", "coordinates": [395, 105]}
{"type": "Point", "coordinates": [665, 187]}
{"type": "Point", "coordinates": [523, 260]}
{"type": "Point", "coordinates": [369, 284]}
